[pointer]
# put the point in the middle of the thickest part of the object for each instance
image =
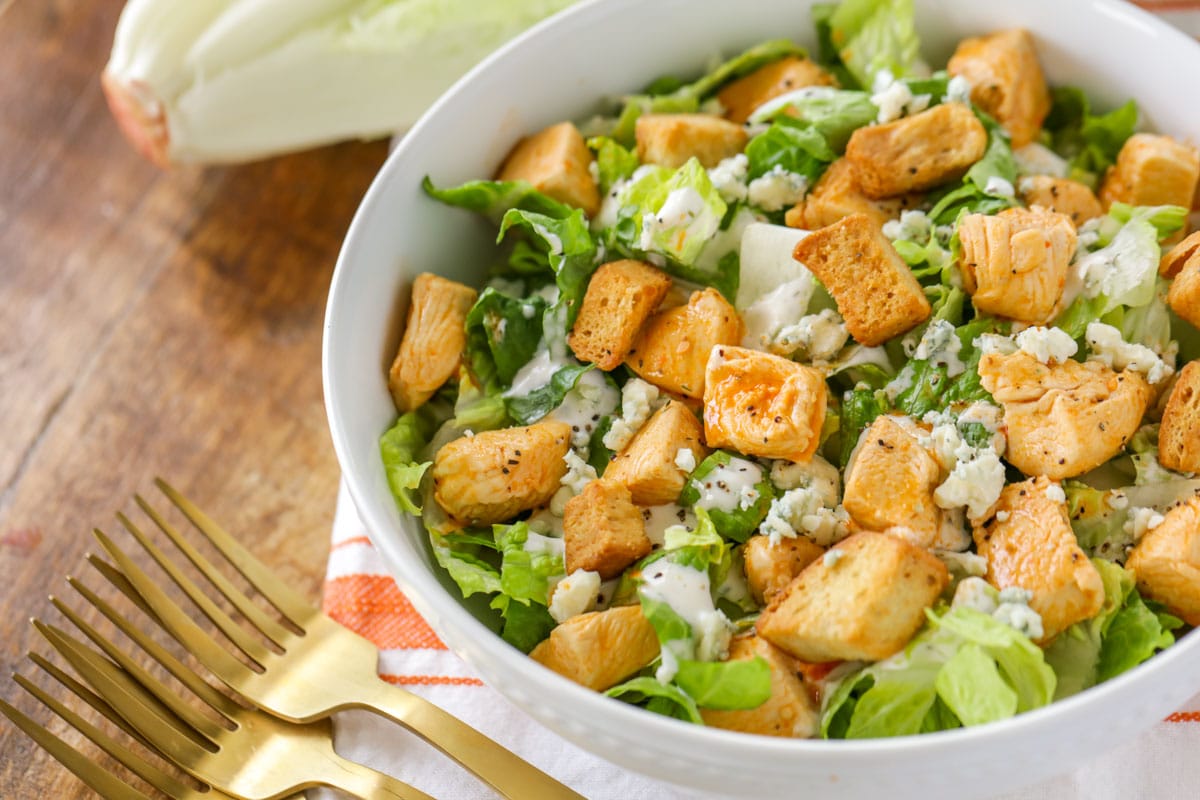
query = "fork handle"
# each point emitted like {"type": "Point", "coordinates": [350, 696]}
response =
{"type": "Point", "coordinates": [364, 782]}
{"type": "Point", "coordinates": [505, 771]}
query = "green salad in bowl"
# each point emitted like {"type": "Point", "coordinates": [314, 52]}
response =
{"type": "Point", "coordinates": [825, 394]}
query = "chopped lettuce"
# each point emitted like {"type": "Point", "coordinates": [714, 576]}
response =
{"type": "Point", "coordinates": [791, 146]}
{"type": "Point", "coordinates": [525, 625]}
{"type": "Point", "coordinates": [739, 523]}
{"type": "Point", "coordinates": [493, 199]}
{"type": "Point", "coordinates": [525, 571]}
{"type": "Point", "coordinates": [859, 409]}
{"type": "Point", "coordinates": [403, 446]}
{"type": "Point", "coordinates": [502, 335]}
{"type": "Point", "coordinates": [964, 668]}
{"type": "Point", "coordinates": [726, 685]}
{"type": "Point", "coordinates": [464, 560]}
{"type": "Point", "coordinates": [927, 386]}
{"type": "Point", "coordinates": [661, 698]}
{"type": "Point", "coordinates": [613, 161]}
{"type": "Point", "coordinates": [672, 96]}
{"type": "Point", "coordinates": [873, 35]}
{"type": "Point", "coordinates": [833, 113]}
{"type": "Point", "coordinates": [1125, 633]}
{"type": "Point", "coordinates": [978, 193]}
{"type": "Point", "coordinates": [1088, 141]}
{"type": "Point", "coordinates": [532, 406]}
{"type": "Point", "coordinates": [570, 251]}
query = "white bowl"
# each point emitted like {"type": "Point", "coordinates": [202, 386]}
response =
{"type": "Point", "coordinates": [558, 71]}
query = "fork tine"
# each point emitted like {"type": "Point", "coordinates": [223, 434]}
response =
{"type": "Point", "coordinates": [181, 671]}
{"type": "Point", "coordinates": [194, 638]}
{"type": "Point", "coordinates": [114, 576]}
{"type": "Point", "coordinates": [139, 766]}
{"type": "Point", "coordinates": [87, 695]}
{"type": "Point", "coordinates": [131, 700]}
{"type": "Point", "coordinates": [269, 627]}
{"type": "Point", "coordinates": [289, 602]}
{"type": "Point", "coordinates": [165, 696]}
{"type": "Point", "coordinates": [234, 632]}
{"type": "Point", "coordinates": [101, 780]}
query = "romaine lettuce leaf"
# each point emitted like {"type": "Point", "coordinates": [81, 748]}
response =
{"type": "Point", "coordinates": [660, 698]}
{"type": "Point", "coordinates": [873, 35]}
{"type": "Point", "coordinates": [963, 668]}
{"type": "Point", "coordinates": [525, 573]}
{"type": "Point", "coordinates": [613, 162]}
{"type": "Point", "coordinates": [928, 386]}
{"type": "Point", "coordinates": [672, 96]}
{"type": "Point", "coordinates": [738, 524]}
{"type": "Point", "coordinates": [726, 685]}
{"type": "Point", "coordinates": [859, 409]}
{"type": "Point", "coordinates": [1122, 635]}
{"type": "Point", "coordinates": [402, 446]}
{"type": "Point", "coordinates": [494, 199]}
{"type": "Point", "coordinates": [791, 146]}
{"type": "Point", "coordinates": [975, 196]}
{"type": "Point", "coordinates": [529, 408]}
{"type": "Point", "coordinates": [570, 251]}
{"type": "Point", "coordinates": [502, 335]}
{"type": "Point", "coordinates": [1089, 142]}
{"type": "Point", "coordinates": [525, 625]}
{"type": "Point", "coordinates": [462, 559]}
{"type": "Point", "coordinates": [834, 113]}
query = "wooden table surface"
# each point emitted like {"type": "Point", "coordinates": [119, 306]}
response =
{"type": "Point", "coordinates": [151, 323]}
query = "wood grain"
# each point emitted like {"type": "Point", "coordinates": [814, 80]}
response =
{"type": "Point", "coordinates": [152, 324]}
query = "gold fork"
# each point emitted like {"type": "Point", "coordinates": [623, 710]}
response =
{"type": "Point", "coordinates": [240, 750]}
{"type": "Point", "coordinates": [103, 782]}
{"type": "Point", "coordinates": [317, 667]}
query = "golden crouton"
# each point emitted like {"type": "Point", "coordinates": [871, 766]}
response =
{"type": "Point", "coordinates": [556, 162]}
{"type": "Point", "coordinates": [620, 297]}
{"type": "Point", "coordinates": [1006, 80]}
{"type": "Point", "coordinates": [890, 483]}
{"type": "Point", "coordinates": [601, 648]}
{"type": "Point", "coordinates": [1184, 294]}
{"type": "Point", "coordinates": [1014, 264]}
{"type": "Point", "coordinates": [1152, 170]}
{"type": "Point", "coordinates": [863, 603]}
{"type": "Point", "coordinates": [671, 139]}
{"type": "Point", "coordinates": [790, 711]}
{"type": "Point", "coordinates": [434, 338]}
{"type": "Point", "coordinates": [1166, 562]}
{"type": "Point", "coordinates": [743, 96]}
{"type": "Point", "coordinates": [762, 404]}
{"type": "Point", "coordinates": [918, 152]}
{"type": "Point", "coordinates": [1179, 255]}
{"type": "Point", "coordinates": [491, 476]}
{"type": "Point", "coordinates": [1179, 434]}
{"type": "Point", "coordinates": [837, 195]}
{"type": "Point", "coordinates": [1065, 419]}
{"type": "Point", "coordinates": [1062, 195]}
{"type": "Point", "coordinates": [603, 530]}
{"type": "Point", "coordinates": [771, 567]}
{"type": "Point", "coordinates": [671, 350]}
{"type": "Point", "coordinates": [875, 290]}
{"type": "Point", "coordinates": [646, 467]}
{"type": "Point", "coordinates": [1034, 548]}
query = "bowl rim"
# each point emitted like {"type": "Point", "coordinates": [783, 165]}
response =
{"type": "Point", "coordinates": [422, 587]}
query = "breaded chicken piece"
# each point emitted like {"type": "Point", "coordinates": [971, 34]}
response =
{"type": "Point", "coordinates": [762, 404]}
{"type": "Point", "coordinates": [556, 161]}
{"type": "Point", "coordinates": [1065, 419]}
{"type": "Point", "coordinates": [1006, 80]}
{"type": "Point", "coordinates": [1014, 264]}
{"type": "Point", "coordinates": [601, 648]}
{"type": "Point", "coordinates": [771, 567]}
{"type": "Point", "coordinates": [890, 482]}
{"type": "Point", "coordinates": [492, 476]}
{"type": "Point", "coordinates": [434, 339]}
{"type": "Point", "coordinates": [790, 710]}
{"type": "Point", "coordinates": [1166, 561]}
{"type": "Point", "coordinates": [1030, 544]}
{"type": "Point", "coordinates": [671, 350]}
{"type": "Point", "coordinates": [1061, 195]}
{"type": "Point", "coordinates": [647, 464]}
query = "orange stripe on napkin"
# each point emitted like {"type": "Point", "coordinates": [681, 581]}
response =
{"type": "Point", "coordinates": [348, 542]}
{"type": "Point", "coordinates": [373, 606]}
{"type": "Point", "coordinates": [431, 680]}
{"type": "Point", "coordinates": [1184, 716]}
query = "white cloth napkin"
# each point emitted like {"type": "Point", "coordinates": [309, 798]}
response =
{"type": "Point", "coordinates": [1162, 764]}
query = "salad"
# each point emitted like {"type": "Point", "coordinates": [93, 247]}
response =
{"type": "Point", "coordinates": [825, 394]}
